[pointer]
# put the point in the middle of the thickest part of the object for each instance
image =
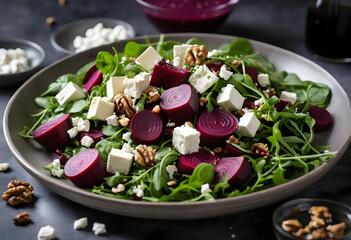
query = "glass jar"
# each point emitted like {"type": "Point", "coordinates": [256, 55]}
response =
{"type": "Point", "coordinates": [328, 30]}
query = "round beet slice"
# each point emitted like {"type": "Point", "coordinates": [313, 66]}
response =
{"type": "Point", "coordinates": [146, 127]}
{"type": "Point", "coordinates": [215, 127]}
{"type": "Point", "coordinates": [231, 151]}
{"type": "Point", "coordinates": [53, 134]}
{"type": "Point", "coordinates": [321, 116]}
{"type": "Point", "coordinates": [237, 169]}
{"type": "Point", "coordinates": [180, 104]}
{"type": "Point", "coordinates": [188, 162]}
{"type": "Point", "coordinates": [85, 169]}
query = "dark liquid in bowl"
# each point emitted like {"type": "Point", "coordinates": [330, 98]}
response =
{"type": "Point", "coordinates": [187, 15]}
{"type": "Point", "coordinates": [328, 31]}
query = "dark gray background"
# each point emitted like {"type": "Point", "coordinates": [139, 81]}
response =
{"type": "Point", "coordinates": [276, 22]}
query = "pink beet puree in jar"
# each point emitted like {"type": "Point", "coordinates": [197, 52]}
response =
{"type": "Point", "coordinates": [187, 15]}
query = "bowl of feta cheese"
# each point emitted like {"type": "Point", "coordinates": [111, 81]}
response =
{"type": "Point", "coordinates": [19, 60]}
{"type": "Point", "coordinates": [88, 33]}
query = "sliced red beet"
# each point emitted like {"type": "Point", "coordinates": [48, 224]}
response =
{"type": "Point", "coordinates": [59, 154]}
{"type": "Point", "coordinates": [279, 106]}
{"type": "Point", "coordinates": [146, 127]}
{"type": "Point", "coordinates": [95, 133]}
{"type": "Point", "coordinates": [167, 76]}
{"type": "Point", "coordinates": [53, 134]}
{"type": "Point", "coordinates": [187, 163]}
{"type": "Point", "coordinates": [249, 105]}
{"type": "Point", "coordinates": [321, 116]}
{"type": "Point", "coordinates": [215, 127]}
{"type": "Point", "coordinates": [237, 169]}
{"type": "Point", "coordinates": [85, 169]}
{"type": "Point", "coordinates": [251, 71]}
{"type": "Point", "coordinates": [180, 104]}
{"type": "Point", "coordinates": [92, 78]}
{"type": "Point", "coordinates": [214, 66]}
{"type": "Point", "coordinates": [231, 151]}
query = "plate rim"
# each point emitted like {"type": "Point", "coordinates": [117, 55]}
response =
{"type": "Point", "coordinates": [321, 170]}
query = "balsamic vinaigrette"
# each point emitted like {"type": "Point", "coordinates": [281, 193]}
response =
{"type": "Point", "coordinates": [328, 29]}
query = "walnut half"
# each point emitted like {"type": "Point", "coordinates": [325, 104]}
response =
{"type": "Point", "coordinates": [18, 193]}
{"type": "Point", "coordinates": [195, 55]}
{"type": "Point", "coordinates": [124, 105]}
{"type": "Point", "coordinates": [145, 155]}
{"type": "Point", "coordinates": [21, 219]}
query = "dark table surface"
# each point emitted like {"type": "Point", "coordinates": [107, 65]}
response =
{"type": "Point", "coordinates": [276, 22]}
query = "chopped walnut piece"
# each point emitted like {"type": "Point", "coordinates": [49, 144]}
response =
{"type": "Point", "coordinates": [232, 139]}
{"type": "Point", "coordinates": [291, 225]}
{"type": "Point", "coordinates": [152, 94]}
{"type": "Point", "coordinates": [320, 234]}
{"type": "Point", "coordinates": [301, 233]}
{"type": "Point", "coordinates": [172, 183]}
{"type": "Point", "coordinates": [62, 2]}
{"type": "Point", "coordinates": [156, 109]}
{"type": "Point", "coordinates": [337, 230]}
{"type": "Point", "coordinates": [120, 188]}
{"type": "Point", "coordinates": [195, 55]}
{"type": "Point", "coordinates": [124, 105]}
{"type": "Point", "coordinates": [18, 193]}
{"type": "Point", "coordinates": [123, 121]}
{"type": "Point", "coordinates": [145, 155]}
{"type": "Point", "coordinates": [240, 113]}
{"type": "Point", "coordinates": [170, 124]}
{"type": "Point", "coordinates": [203, 100]}
{"type": "Point", "coordinates": [269, 93]}
{"type": "Point", "coordinates": [50, 21]}
{"type": "Point", "coordinates": [218, 150]}
{"type": "Point", "coordinates": [21, 219]}
{"type": "Point", "coordinates": [189, 124]}
{"type": "Point", "coordinates": [132, 59]}
{"type": "Point", "coordinates": [259, 147]}
{"type": "Point", "coordinates": [320, 212]}
{"type": "Point", "coordinates": [264, 116]}
{"type": "Point", "coordinates": [236, 63]}
{"type": "Point", "coordinates": [316, 223]}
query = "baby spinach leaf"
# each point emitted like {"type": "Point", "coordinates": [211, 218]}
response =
{"type": "Point", "coordinates": [83, 70]}
{"type": "Point", "coordinates": [203, 173]}
{"type": "Point", "coordinates": [76, 106]}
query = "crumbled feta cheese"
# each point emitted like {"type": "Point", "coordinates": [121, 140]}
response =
{"type": "Point", "coordinates": [114, 86]}
{"type": "Point", "coordinates": [202, 79]}
{"type": "Point", "coordinates": [213, 52]}
{"type": "Point", "coordinates": [263, 79]}
{"type": "Point", "coordinates": [4, 167]}
{"type": "Point", "coordinates": [99, 228]}
{"type": "Point", "coordinates": [148, 58]}
{"type": "Point", "coordinates": [205, 188]}
{"type": "Point", "coordinates": [75, 121]}
{"type": "Point", "coordinates": [56, 170]}
{"type": "Point", "coordinates": [230, 98]}
{"type": "Point", "coordinates": [134, 87]}
{"type": "Point", "coordinates": [126, 136]}
{"type": "Point", "coordinates": [13, 61]}
{"type": "Point", "coordinates": [100, 109]}
{"type": "Point", "coordinates": [119, 161]}
{"type": "Point", "coordinates": [259, 102]}
{"type": "Point", "coordinates": [248, 125]}
{"type": "Point", "coordinates": [288, 96]}
{"type": "Point", "coordinates": [72, 132]}
{"type": "Point", "coordinates": [138, 190]}
{"type": "Point", "coordinates": [171, 169]}
{"type": "Point", "coordinates": [46, 233]}
{"type": "Point", "coordinates": [80, 223]}
{"type": "Point", "coordinates": [186, 139]}
{"type": "Point", "coordinates": [112, 120]}
{"type": "Point", "coordinates": [83, 125]}
{"type": "Point", "coordinates": [127, 148]}
{"type": "Point", "coordinates": [56, 163]}
{"type": "Point", "coordinates": [179, 54]}
{"type": "Point", "coordinates": [224, 73]}
{"type": "Point", "coordinates": [87, 141]}
{"type": "Point", "coordinates": [69, 93]}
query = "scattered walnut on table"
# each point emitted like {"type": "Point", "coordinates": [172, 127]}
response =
{"type": "Point", "coordinates": [152, 94]}
{"type": "Point", "coordinates": [145, 155]}
{"type": "Point", "coordinates": [62, 2]}
{"type": "Point", "coordinates": [18, 193]}
{"type": "Point", "coordinates": [50, 21]}
{"type": "Point", "coordinates": [124, 105]}
{"type": "Point", "coordinates": [195, 55]}
{"type": "Point", "coordinates": [21, 219]}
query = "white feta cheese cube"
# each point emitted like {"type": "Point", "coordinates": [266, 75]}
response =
{"type": "Point", "coordinates": [224, 73]}
{"type": "Point", "coordinates": [202, 79]}
{"type": "Point", "coordinates": [72, 132]}
{"type": "Point", "coordinates": [230, 98]}
{"type": "Point", "coordinates": [134, 87]}
{"type": "Point", "coordinates": [138, 190]}
{"type": "Point", "coordinates": [83, 125]}
{"type": "Point", "coordinates": [126, 136]}
{"type": "Point", "coordinates": [100, 109]}
{"type": "Point", "coordinates": [99, 228]}
{"type": "Point", "coordinates": [171, 169]}
{"type": "Point", "coordinates": [87, 141]}
{"type": "Point", "coordinates": [288, 96]}
{"type": "Point", "coordinates": [4, 167]}
{"type": "Point", "coordinates": [119, 161]}
{"type": "Point", "coordinates": [186, 139]}
{"type": "Point", "coordinates": [114, 86]}
{"type": "Point", "coordinates": [263, 79]}
{"type": "Point", "coordinates": [46, 233]}
{"type": "Point", "coordinates": [179, 54]}
{"type": "Point", "coordinates": [205, 188]}
{"type": "Point", "coordinates": [80, 223]}
{"type": "Point", "coordinates": [248, 125]}
{"type": "Point", "coordinates": [148, 58]}
{"type": "Point", "coordinates": [112, 120]}
{"type": "Point", "coordinates": [69, 93]}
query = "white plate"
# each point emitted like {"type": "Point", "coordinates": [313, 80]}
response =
{"type": "Point", "coordinates": [22, 104]}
